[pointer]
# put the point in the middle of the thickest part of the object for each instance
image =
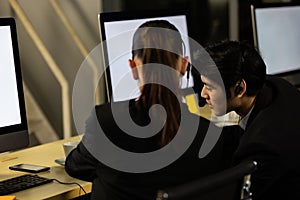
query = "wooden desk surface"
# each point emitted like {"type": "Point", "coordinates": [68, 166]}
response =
{"type": "Point", "coordinates": [43, 155]}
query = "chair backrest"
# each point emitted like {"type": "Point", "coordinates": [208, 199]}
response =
{"type": "Point", "coordinates": [230, 184]}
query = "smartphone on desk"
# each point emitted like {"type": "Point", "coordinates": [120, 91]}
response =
{"type": "Point", "coordinates": [29, 168]}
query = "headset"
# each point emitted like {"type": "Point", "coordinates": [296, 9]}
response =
{"type": "Point", "coordinates": [188, 74]}
{"type": "Point", "coordinates": [238, 88]}
{"type": "Point", "coordinates": [188, 69]}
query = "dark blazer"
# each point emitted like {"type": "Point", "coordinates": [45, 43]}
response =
{"type": "Point", "coordinates": [112, 184]}
{"type": "Point", "coordinates": [272, 138]}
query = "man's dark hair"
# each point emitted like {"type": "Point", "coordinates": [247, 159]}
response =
{"type": "Point", "coordinates": [236, 61]}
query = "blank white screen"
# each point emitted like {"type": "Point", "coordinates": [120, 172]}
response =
{"type": "Point", "coordinates": [9, 101]}
{"type": "Point", "coordinates": [278, 36]}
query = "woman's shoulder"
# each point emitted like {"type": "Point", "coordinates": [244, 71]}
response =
{"type": "Point", "coordinates": [114, 107]}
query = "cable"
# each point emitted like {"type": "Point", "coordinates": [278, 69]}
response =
{"type": "Point", "coordinates": [71, 183]}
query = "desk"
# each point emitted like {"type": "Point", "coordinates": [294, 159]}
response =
{"type": "Point", "coordinates": [43, 155]}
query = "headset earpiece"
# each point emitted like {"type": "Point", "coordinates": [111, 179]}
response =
{"type": "Point", "coordinates": [238, 89]}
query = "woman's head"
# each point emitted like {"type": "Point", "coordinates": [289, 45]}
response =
{"type": "Point", "coordinates": [157, 57]}
{"type": "Point", "coordinates": [157, 42]}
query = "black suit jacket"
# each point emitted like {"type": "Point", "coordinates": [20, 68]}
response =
{"type": "Point", "coordinates": [112, 184]}
{"type": "Point", "coordinates": [272, 138]}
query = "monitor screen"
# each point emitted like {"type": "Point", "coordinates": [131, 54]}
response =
{"type": "Point", "coordinates": [116, 30]}
{"type": "Point", "coordinates": [13, 123]}
{"type": "Point", "coordinates": [276, 35]}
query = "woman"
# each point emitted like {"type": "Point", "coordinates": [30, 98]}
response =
{"type": "Point", "coordinates": [157, 63]}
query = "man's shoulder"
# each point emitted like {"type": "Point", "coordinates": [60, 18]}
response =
{"type": "Point", "coordinates": [283, 92]}
{"type": "Point", "coordinates": [281, 84]}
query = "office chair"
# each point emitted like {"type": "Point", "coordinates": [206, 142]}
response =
{"type": "Point", "coordinates": [230, 184]}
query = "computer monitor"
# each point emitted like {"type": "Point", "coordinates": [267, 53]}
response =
{"type": "Point", "coordinates": [116, 30]}
{"type": "Point", "coordinates": [276, 30]}
{"type": "Point", "coordinates": [13, 122]}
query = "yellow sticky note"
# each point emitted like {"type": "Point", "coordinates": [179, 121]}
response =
{"type": "Point", "coordinates": [7, 197]}
{"type": "Point", "coordinates": [192, 104]}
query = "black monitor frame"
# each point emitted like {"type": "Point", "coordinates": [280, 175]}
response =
{"type": "Point", "coordinates": [15, 136]}
{"type": "Point", "coordinates": [126, 15]}
{"type": "Point", "coordinates": [292, 76]}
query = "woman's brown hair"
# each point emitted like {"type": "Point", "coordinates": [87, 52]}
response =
{"type": "Point", "coordinates": [159, 43]}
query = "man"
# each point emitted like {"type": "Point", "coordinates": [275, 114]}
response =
{"type": "Point", "coordinates": [269, 108]}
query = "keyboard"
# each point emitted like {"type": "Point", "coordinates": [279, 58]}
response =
{"type": "Point", "coordinates": [22, 182]}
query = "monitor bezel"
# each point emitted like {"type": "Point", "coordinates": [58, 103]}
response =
{"type": "Point", "coordinates": [292, 76]}
{"type": "Point", "coordinates": [123, 16]}
{"type": "Point", "coordinates": [15, 136]}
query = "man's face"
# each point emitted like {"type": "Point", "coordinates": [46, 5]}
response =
{"type": "Point", "coordinates": [215, 96]}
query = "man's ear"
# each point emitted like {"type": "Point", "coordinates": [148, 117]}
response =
{"type": "Point", "coordinates": [185, 64]}
{"type": "Point", "coordinates": [241, 88]}
{"type": "Point", "coordinates": [134, 71]}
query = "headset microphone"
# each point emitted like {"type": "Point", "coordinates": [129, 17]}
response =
{"type": "Point", "coordinates": [188, 74]}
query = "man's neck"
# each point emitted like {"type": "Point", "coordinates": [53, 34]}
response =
{"type": "Point", "coordinates": [247, 104]}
